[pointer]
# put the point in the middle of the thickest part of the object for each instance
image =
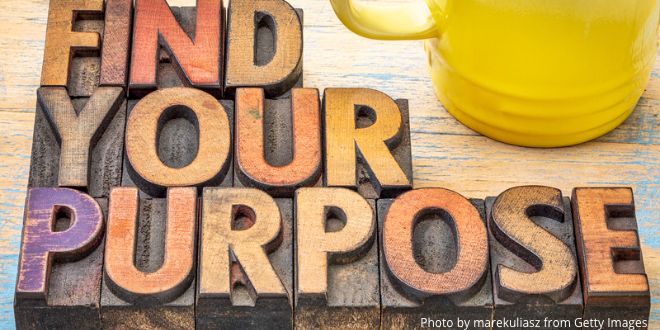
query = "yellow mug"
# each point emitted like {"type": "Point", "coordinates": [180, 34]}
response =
{"type": "Point", "coordinates": [540, 73]}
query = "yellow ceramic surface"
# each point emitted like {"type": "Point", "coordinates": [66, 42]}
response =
{"type": "Point", "coordinates": [540, 73]}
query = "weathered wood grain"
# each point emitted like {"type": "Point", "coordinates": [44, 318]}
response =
{"type": "Point", "coordinates": [278, 142]}
{"type": "Point", "coordinates": [61, 260]}
{"type": "Point", "coordinates": [64, 38]}
{"type": "Point", "coordinates": [116, 43]}
{"type": "Point", "coordinates": [246, 261]}
{"type": "Point", "coordinates": [434, 259]}
{"type": "Point", "coordinates": [367, 142]}
{"type": "Point", "coordinates": [266, 53]}
{"type": "Point", "coordinates": [336, 263]}
{"type": "Point", "coordinates": [178, 137]}
{"type": "Point", "coordinates": [615, 285]}
{"type": "Point", "coordinates": [445, 153]}
{"type": "Point", "coordinates": [533, 256]}
{"type": "Point", "coordinates": [149, 266]}
{"type": "Point", "coordinates": [197, 52]}
{"type": "Point", "coordinates": [79, 142]}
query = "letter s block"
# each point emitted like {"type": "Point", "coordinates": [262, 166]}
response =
{"type": "Point", "coordinates": [434, 259]}
{"type": "Point", "coordinates": [60, 267]}
{"type": "Point", "coordinates": [532, 248]}
{"type": "Point", "coordinates": [615, 284]}
{"type": "Point", "coordinates": [336, 260]}
{"type": "Point", "coordinates": [149, 267]}
{"type": "Point", "coordinates": [246, 261]}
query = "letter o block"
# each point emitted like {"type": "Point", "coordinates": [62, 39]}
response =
{"type": "Point", "coordinates": [434, 259]}
{"type": "Point", "coordinates": [145, 122]}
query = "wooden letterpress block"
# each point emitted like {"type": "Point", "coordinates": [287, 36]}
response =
{"type": "Point", "coordinates": [289, 157]}
{"type": "Point", "coordinates": [615, 285]}
{"type": "Point", "coordinates": [149, 267]}
{"type": "Point", "coordinates": [246, 261]}
{"type": "Point", "coordinates": [532, 251]}
{"type": "Point", "coordinates": [116, 43]}
{"type": "Point", "coordinates": [264, 46]}
{"type": "Point", "coordinates": [336, 261]}
{"type": "Point", "coordinates": [367, 142]}
{"type": "Point", "coordinates": [194, 42]}
{"type": "Point", "coordinates": [79, 142]}
{"type": "Point", "coordinates": [434, 261]}
{"type": "Point", "coordinates": [74, 29]}
{"type": "Point", "coordinates": [178, 137]}
{"type": "Point", "coordinates": [60, 267]}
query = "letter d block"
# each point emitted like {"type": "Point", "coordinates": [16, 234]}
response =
{"type": "Point", "coordinates": [434, 259]}
{"type": "Point", "coordinates": [336, 260]}
{"type": "Point", "coordinates": [78, 142]}
{"type": "Point", "coordinates": [264, 46]}
{"type": "Point", "coordinates": [246, 261]}
{"type": "Point", "coordinates": [60, 268]}
{"type": "Point", "coordinates": [149, 267]}
{"type": "Point", "coordinates": [532, 250]}
{"type": "Point", "coordinates": [615, 283]}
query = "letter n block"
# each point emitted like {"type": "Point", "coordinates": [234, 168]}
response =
{"type": "Point", "coordinates": [336, 260]}
{"type": "Point", "coordinates": [246, 261]}
{"type": "Point", "coordinates": [434, 259]}
{"type": "Point", "coordinates": [149, 267]}
{"type": "Point", "coordinates": [615, 285]}
{"type": "Point", "coordinates": [178, 46]}
{"type": "Point", "coordinates": [78, 142]}
{"type": "Point", "coordinates": [532, 249]}
{"type": "Point", "coordinates": [61, 261]}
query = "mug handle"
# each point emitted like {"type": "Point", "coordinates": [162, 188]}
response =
{"type": "Point", "coordinates": [396, 22]}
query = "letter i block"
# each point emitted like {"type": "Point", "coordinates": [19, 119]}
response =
{"type": "Point", "coordinates": [434, 259]}
{"type": "Point", "coordinates": [178, 137]}
{"type": "Point", "coordinates": [60, 267]}
{"type": "Point", "coordinates": [178, 46]}
{"type": "Point", "coordinates": [532, 250]}
{"type": "Point", "coordinates": [336, 260]}
{"type": "Point", "coordinates": [82, 49]}
{"type": "Point", "coordinates": [278, 142]}
{"type": "Point", "coordinates": [149, 268]}
{"type": "Point", "coordinates": [611, 264]}
{"type": "Point", "coordinates": [367, 142]}
{"type": "Point", "coordinates": [78, 142]}
{"type": "Point", "coordinates": [246, 261]}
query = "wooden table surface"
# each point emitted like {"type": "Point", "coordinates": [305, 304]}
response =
{"type": "Point", "coordinates": [446, 154]}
